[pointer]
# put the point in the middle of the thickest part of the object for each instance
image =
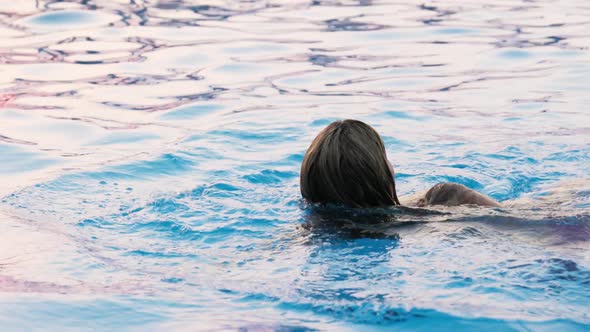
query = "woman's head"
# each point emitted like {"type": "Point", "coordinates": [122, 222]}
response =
{"type": "Point", "coordinates": [347, 164]}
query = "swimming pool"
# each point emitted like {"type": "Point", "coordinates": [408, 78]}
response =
{"type": "Point", "coordinates": [151, 152]}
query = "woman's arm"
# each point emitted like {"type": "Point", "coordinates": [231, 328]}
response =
{"type": "Point", "coordinates": [453, 194]}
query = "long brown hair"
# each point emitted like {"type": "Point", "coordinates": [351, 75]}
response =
{"type": "Point", "coordinates": [347, 164]}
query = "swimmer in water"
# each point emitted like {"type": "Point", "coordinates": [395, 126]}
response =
{"type": "Point", "coordinates": [347, 164]}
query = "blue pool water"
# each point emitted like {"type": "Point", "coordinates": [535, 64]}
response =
{"type": "Point", "coordinates": [150, 155]}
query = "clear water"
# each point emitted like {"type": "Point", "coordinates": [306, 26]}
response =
{"type": "Point", "coordinates": [150, 153]}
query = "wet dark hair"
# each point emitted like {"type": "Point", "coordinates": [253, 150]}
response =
{"type": "Point", "coordinates": [347, 164]}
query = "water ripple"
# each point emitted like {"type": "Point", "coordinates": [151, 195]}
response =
{"type": "Point", "coordinates": [151, 150]}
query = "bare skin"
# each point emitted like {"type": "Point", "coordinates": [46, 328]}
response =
{"type": "Point", "coordinates": [447, 194]}
{"type": "Point", "coordinates": [451, 194]}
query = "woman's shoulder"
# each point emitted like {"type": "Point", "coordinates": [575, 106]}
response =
{"type": "Point", "coordinates": [453, 194]}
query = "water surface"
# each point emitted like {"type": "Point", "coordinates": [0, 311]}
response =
{"type": "Point", "coordinates": [151, 152]}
